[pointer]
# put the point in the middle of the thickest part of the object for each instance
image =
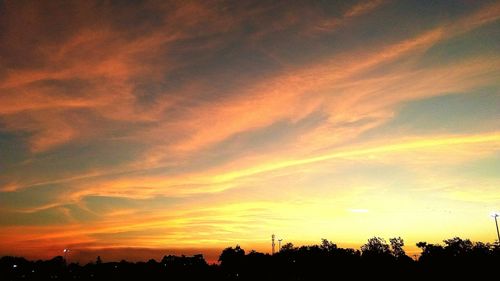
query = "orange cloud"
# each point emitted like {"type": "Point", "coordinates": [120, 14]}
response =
{"type": "Point", "coordinates": [363, 8]}
{"type": "Point", "coordinates": [262, 105]}
{"type": "Point", "coordinates": [109, 63]}
{"type": "Point", "coordinates": [106, 63]}
{"type": "Point", "coordinates": [354, 11]}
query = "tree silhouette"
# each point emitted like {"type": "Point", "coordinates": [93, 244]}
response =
{"type": "Point", "coordinates": [456, 258]}
{"type": "Point", "coordinates": [287, 247]}
{"type": "Point", "coordinates": [231, 254]}
{"type": "Point", "coordinates": [375, 246]}
{"type": "Point", "coordinates": [458, 247]}
{"type": "Point", "coordinates": [232, 260]}
{"type": "Point", "coordinates": [397, 244]}
{"type": "Point", "coordinates": [328, 246]}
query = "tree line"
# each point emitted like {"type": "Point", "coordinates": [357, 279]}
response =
{"type": "Point", "coordinates": [456, 258]}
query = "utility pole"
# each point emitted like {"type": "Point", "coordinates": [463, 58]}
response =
{"type": "Point", "coordinates": [279, 244]}
{"type": "Point", "coordinates": [496, 215]}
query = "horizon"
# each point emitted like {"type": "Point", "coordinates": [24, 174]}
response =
{"type": "Point", "coordinates": [138, 254]}
{"type": "Point", "coordinates": [211, 256]}
{"type": "Point", "coordinates": [135, 128]}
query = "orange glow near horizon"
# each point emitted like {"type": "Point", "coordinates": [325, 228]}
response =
{"type": "Point", "coordinates": [191, 127]}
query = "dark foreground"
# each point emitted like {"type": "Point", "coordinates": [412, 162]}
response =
{"type": "Point", "coordinates": [456, 258]}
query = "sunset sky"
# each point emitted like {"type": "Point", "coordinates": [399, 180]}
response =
{"type": "Point", "coordinates": [136, 129]}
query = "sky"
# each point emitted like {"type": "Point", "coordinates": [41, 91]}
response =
{"type": "Point", "coordinates": [134, 129]}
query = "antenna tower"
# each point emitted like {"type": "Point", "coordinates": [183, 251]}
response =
{"type": "Point", "coordinates": [272, 242]}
